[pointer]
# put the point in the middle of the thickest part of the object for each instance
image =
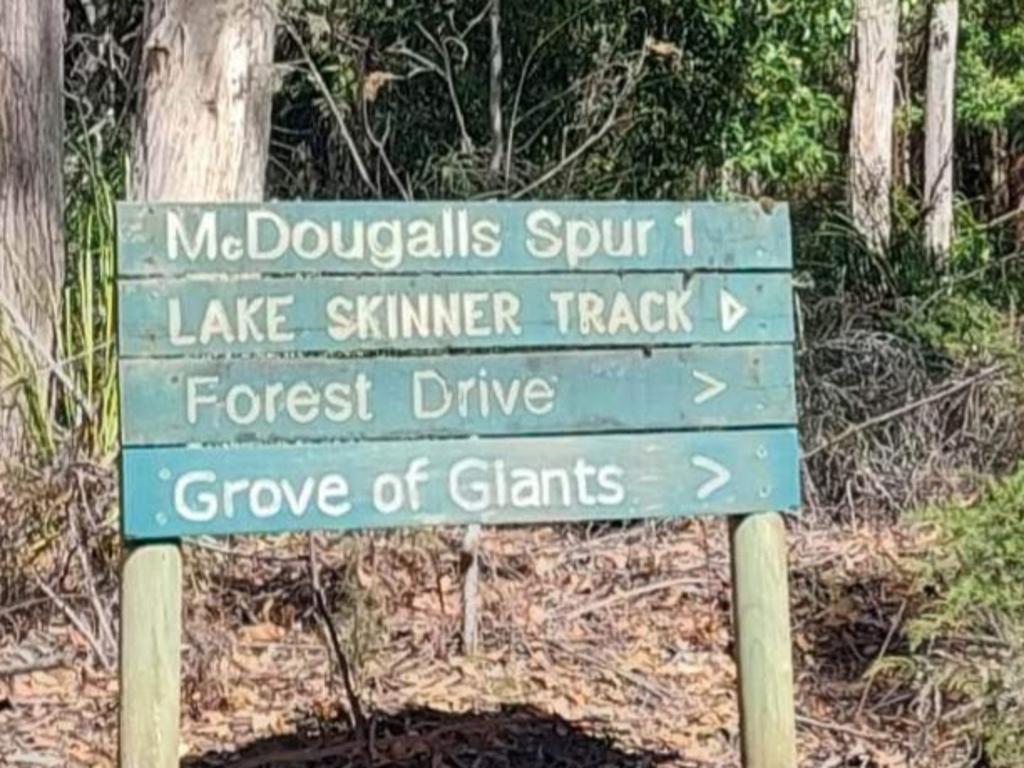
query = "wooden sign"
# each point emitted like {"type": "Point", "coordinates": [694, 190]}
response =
{"type": "Point", "coordinates": [302, 366]}
{"type": "Point", "coordinates": [228, 315]}
{"type": "Point", "coordinates": [351, 365]}
{"type": "Point", "coordinates": [377, 484]}
{"type": "Point", "coordinates": [381, 237]}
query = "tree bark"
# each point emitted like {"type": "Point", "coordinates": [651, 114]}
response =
{"type": "Point", "coordinates": [1015, 191]}
{"type": "Point", "coordinates": [204, 126]}
{"type": "Point", "coordinates": [31, 191]}
{"type": "Point", "coordinates": [938, 128]}
{"type": "Point", "coordinates": [203, 135]}
{"type": "Point", "coordinates": [871, 122]}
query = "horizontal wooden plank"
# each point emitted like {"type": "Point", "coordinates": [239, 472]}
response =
{"type": "Point", "coordinates": [190, 317]}
{"type": "Point", "coordinates": [174, 402]}
{"type": "Point", "coordinates": [172, 492]}
{"type": "Point", "coordinates": [424, 237]}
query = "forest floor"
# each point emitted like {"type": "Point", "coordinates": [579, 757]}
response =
{"type": "Point", "coordinates": [602, 646]}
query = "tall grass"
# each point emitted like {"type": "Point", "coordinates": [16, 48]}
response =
{"type": "Point", "coordinates": [87, 339]}
{"type": "Point", "coordinates": [68, 398]}
{"type": "Point", "coordinates": [23, 389]}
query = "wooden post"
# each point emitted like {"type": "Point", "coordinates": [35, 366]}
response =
{"type": "Point", "coordinates": [150, 656]}
{"type": "Point", "coordinates": [203, 133]}
{"type": "Point", "coordinates": [764, 655]}
{"type": "Point", "coordinates": [471, 589]}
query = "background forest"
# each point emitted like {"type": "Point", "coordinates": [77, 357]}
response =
{"type": "Point", "coordinates": [908, 583]}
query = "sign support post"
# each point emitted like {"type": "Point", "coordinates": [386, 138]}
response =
{"type": "Point", "coordinates": [764, 657]}
{"type": "Point", "coordinates": [150, 656]}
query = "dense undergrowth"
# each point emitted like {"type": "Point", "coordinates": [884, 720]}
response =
{"type": "Point", "coordinates": [965, 629]}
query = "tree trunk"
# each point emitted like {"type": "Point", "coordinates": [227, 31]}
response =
{"type": "Point", "coordinates": [1015, 187]}
{"type": "Point", "coordinates": [31, 193]}
{"type": "Point", "coordinates": [204, 126]}
{"type": "Point", "coordinates": [203, 134]}
{"type": "Point", "coordinates": [997, 164]}
{"type": "Point", "coordinates": [938, 128]}
{"type": "Point", "coordinates": [494, 103]}
{"type": "Point", "coordinates": [871, 122]}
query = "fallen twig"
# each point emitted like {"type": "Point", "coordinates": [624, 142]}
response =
{"type": "Point", "coordinates": [811, 722]}
{"type": "Point", "coordinates": [893, 626]}
{"type": "Point", "coordinates": [629, 594]}
{"type": "Point", "coordinates": [103, 621]}
{"type": "Point", "coordinates": [78, 624]}
{"type": "Point", "coordinates": [40, 665]}
{"type": "Point", "coordinates": [598, 663]}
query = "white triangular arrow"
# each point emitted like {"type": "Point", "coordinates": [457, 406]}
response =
{"type": "Point", "coordinates": [731, 309]}
{"type": "Point", "coordinates": [713, 389]}
{"type": "Point", "coordinates": [721, 475]}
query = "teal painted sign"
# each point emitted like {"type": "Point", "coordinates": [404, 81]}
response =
{"type": "Point", "coordinates": [347, 365]}
{"type": "Point", "coordinates": [192, 316]}
{"type": "Point", "coordinates": [271, 488]}
{"type": "Point", "coordinates": [429, 237]}
{"type": "Point", "coordinates": [232, 400]}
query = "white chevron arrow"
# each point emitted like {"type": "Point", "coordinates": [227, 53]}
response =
{"type": "Point", "coordinates": [731, 309]}
{"type": "Point", "coordinates": [713, 389]}
{"type": "Point", "coordinates": [721, 475]}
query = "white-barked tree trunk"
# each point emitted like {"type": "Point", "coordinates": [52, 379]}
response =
{"type": "Point", "coordinates": [938, 127]}
{"type": "Point", "coordinates": [31, 198]}
{"type": "Point", "coordinates": [204, 125]}
{"type": "Point", "coordinates": [871, 121]}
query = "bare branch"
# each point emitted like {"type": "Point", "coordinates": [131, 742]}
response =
{"type": "Point", "coordinates": [423, 64]}
{"type": "Point", "coordinates": [78, 623]}
{"type": "Point", "coordinates": [358, 718]}
{"type": "Point", "coordinates": [379, 144]}
{"type": "Point", "coordinates": [523, 74]}
{"type": "Point", "coordinates": [497, 127]}
{"type": "Point", "coordinates": [441, 46]}
{"type": "Point", "coordinates": [569, 159]}
{"type": "Point", "coordinates": [475, 21]}
{"type": "Point", "coordinates": [903, 409]}
{"type": "Point", "coordinates": [346, 135]}
{"type": "Point", "coordinates": [106, 632]}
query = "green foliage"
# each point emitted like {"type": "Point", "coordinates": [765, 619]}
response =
{"type": "Point", "coordinates": [980, 560]}
{"type": "Point", "coordinates": [683, 97]}
{"type": "Point", "coordinates": [973, 574]}
{"type": "Point", "coordinates": [965, 311]}
{"type": "Point", "coordinates": [788, 128]}
{"type": "Point", "coordinates": [990, 64]}
{"type": "Point", "coordinates": [967, 329]}
{"type": "Point", "coordinates": [976, 567]}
